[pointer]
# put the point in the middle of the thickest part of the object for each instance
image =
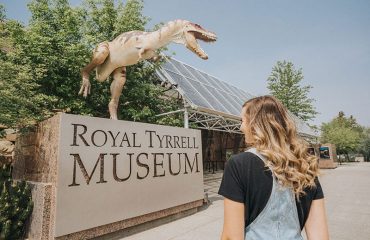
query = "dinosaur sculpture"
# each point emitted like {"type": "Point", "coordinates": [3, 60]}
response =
{"type": "Point", "coordinates": [131, 47]}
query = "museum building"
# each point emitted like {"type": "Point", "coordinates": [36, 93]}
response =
{"type": "Point", "coordinates": [213, 106]}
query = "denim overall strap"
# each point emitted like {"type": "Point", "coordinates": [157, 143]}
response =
{"type": "Point", "coordinates": [279, 218]}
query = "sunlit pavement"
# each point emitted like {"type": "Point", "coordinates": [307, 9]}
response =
{"type": "Point", "coordinates": [347, 194]}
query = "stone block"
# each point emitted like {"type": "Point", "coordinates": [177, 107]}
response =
{"type": "Point", "coordinates": [60, 181]}
{"type": "Point", "coordinates": [36, 152]}
{"type": "Point", "coordinates": [41, 223]}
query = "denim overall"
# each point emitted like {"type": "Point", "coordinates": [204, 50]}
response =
{"type": "Point", "coordinates": [279, 218]}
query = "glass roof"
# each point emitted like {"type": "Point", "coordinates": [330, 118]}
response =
{"type": "Point", "coordinates": [204, 90]}
{"type": "Point", "coordinates": [208, 92]}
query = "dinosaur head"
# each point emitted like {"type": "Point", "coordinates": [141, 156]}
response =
{"type": "Point", "coordinates": [193, 32]}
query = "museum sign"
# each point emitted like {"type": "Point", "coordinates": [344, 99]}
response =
{"type": "Point", "coordinates": [109, 171]}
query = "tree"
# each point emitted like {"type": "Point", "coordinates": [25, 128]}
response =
{"type": "Point", "coordinates": [21, 104]}
{"type": "Point", "coordinates": [364, 146]}
{"type": "Point", "coordinates": [344, 132]}
{"type": "Point", "coordinates": [2, 13]}
{"type": "Point", "coordinates": [284, 83]}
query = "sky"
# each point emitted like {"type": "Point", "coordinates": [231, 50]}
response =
{"type": "Point", "coordinates": [328, 39]}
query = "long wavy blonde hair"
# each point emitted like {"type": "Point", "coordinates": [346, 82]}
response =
{"type": "Point", "coordinates": [274, 135]}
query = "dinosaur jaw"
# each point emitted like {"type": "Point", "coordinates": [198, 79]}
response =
{"type": "Point", "coordinates": [192, 44]}
{"type": "Point", "coordinates": [204, 35]}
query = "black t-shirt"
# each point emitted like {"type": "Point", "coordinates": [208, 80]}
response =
{"type": "Point", "coordinates": [247, 180]}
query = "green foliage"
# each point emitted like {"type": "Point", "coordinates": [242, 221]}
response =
{"type": "Point", "coordinates": [15, 205]}
{"type": "Point", "coordinates": [53, 46]}
{"type": "Point", "coordinates": [344, 132]}
{"type": "Point", "coordinates": [2, 12]}
{"type": "Point", "coordinates": [40, 63]}
{"type": "Point", "coordinates": [130, 17]}
{"type": "Point", "coordinates": [364, 146]}
{"type": "Point", "coordinates": [21, 104]}
{"type": "Point", "coordinates": [100, 17]}
{"type": "Point", "coordinates": [284, 83]}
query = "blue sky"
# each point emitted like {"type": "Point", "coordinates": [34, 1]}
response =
{"type": "Point", "coordinates": [329, 40]}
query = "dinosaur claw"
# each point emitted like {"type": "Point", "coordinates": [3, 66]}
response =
{"type": "Point", "coordinates": [81, 91]}
{"type": "Point", "coordinates": [85, 88]}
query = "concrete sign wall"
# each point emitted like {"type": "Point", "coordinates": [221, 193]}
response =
{"type": "Point", "coordinates": [114, 170]}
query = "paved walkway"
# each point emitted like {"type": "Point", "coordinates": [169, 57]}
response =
{"type": "Point", "coordinates": [347, 194]}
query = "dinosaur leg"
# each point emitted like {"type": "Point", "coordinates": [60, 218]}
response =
{"type": "Point", "coordinates": [145, 54]}
{"type": "Point", "coordinates": [119, 80]}
{"type": "Point", "coordinates": [100, 53]}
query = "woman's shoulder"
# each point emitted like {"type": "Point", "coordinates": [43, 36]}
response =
{"type": "Point", "coordinates": [246, 158]}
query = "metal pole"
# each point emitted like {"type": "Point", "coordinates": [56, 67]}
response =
{"type": "Point", "coordinates": [186, 118]}
{"type": "Point", "coordinates": [168, 113]}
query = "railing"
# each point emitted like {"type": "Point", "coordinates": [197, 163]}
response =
{"type": "Point", "coordinates": [213, 166]}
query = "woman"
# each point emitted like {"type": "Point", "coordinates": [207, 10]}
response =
{"type": "Point", "coordinates": [272, 191]}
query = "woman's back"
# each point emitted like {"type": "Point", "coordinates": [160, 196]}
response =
{"type": "Point", "coordinates": [261, 186]}
{"type": "Point", "coordinates": [247, 180]}
{"type": "Point", "coordinates": [279, 218]}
